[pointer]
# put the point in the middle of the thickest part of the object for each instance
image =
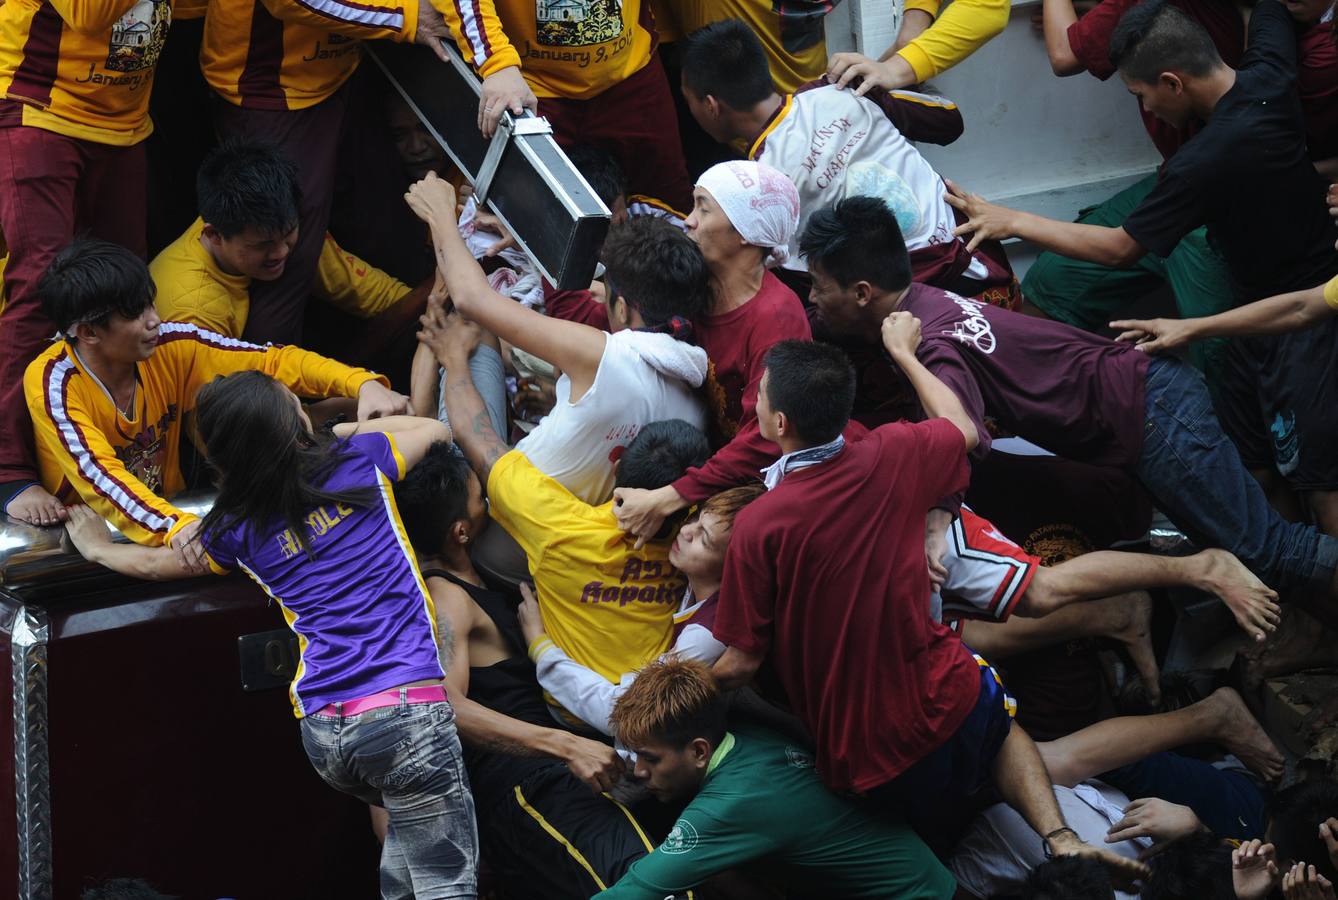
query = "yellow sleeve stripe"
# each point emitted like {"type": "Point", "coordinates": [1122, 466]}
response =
{"type": "Point", "coordinates": [1331, 293]}
{"type": "Point", "coordinates": [557, 836]}
{"type": "Point", "coordinates": [214, 566]}
{"type": "Point", "coordinates": [924, 99]}
{"type": "Point", "coordinates": [539, 646]}
{"type": "Point", "coordinates": [779, 117]}
{"type": "Point", "coordinates": [401, 467]}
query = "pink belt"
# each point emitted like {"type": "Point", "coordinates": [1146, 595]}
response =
{"type": "Point", "coordinates": [431, 693]}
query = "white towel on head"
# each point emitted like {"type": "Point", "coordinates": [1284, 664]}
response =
{"type": "Point", "coordinates": [761, 203]}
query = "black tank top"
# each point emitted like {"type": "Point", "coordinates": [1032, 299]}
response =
{"type": "Point", "coordinates": [508, 687]}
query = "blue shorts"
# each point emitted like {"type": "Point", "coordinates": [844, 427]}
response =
{"type": "Point", "coordinates": [942, 793]}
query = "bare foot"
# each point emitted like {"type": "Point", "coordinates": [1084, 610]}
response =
{"type": "Point", "coordinates": [1253, 603]}
{"type": "Point", "coordinates": [1301, 642]}
{"type": "Point", "coordinates": [1131, 625]}
{"type": "Point", "coordinates": [35, 506]}
{"type": "Point", "coordinates": [1240, 732]}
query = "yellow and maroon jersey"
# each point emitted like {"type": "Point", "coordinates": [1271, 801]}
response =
{"type": "Point", "coordinates": [123, 466]}
{"type": "Point", "coordinates": [291, 54]}
{"type": "Point", "coordinates": [83, 68]}
{"type": "Point", "coordinates": [565, 48]}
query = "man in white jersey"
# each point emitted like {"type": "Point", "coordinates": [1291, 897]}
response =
{"type": "Point", "coordinates": [835, 144]}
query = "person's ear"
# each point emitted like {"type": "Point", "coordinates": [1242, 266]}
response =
{"type": "Point", "coordinates": [212, 236]}
{"type": "Point", "coordinates": [1173, 82]}
{"type": "Point", "coordinates": [87, 333]}
{"type": "Point", "coordinates": [700, 752]}
{"type": "Point", "coordinates": [622, 313]}
{"type": "Point", "coordinates": [712, 105]}
{"type": "Point", "coordinates": [782, 424]}
{"type": "Point", "coordinates": [863, 293]}
{"type": "Point", "coordinates": [460, 533]}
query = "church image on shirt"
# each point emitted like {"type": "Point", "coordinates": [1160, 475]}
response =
{"type": "Point", "coordinates": [578, 23]}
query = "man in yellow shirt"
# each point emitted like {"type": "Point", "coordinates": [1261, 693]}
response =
{"type": "Point", "coordinates": [607, 600]}
{"type": "Point", "coordinates": [107, 401]}
{"type": "Point", "coordinates": [246, 231]}
{"type": "Point", "coordinates": [282, 72]}
{"type": "Point", "coordinates": [75, 79]}
{"type": "Point", "coordinates": [590, 67]}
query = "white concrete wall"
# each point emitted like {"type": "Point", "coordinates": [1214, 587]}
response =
{"type": "Point", "coordinates": [1034, 141]}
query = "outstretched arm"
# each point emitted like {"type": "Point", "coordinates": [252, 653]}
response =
{"type": "Point", "coordinates": [1273, 315]}
{"type": "Point", "coordinates": [1058, 17]}
{"type": "Point", "coordinates": [453, 339]}
{"type": "Point", "coordinates": [574, 348]}
{"type": "Point", "coordinates": [88, 532]}
{"type": "Point", "coordinates": [1112, 247]}
{"type": "Point", "coordinates": [596, 764]}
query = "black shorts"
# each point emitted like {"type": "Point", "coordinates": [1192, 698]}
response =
{"type": "Point", "coordinates": [548, 835]}
{"type": "Point", "coordinates": [1276, 402]}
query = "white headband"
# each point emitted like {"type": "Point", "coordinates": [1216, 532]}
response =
{"type": "Point", "coordinates": [761, 203]}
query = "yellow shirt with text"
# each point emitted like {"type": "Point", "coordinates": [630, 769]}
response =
{"type": "Point", "coordinates": [192, 288]}
{"type": "Point", "coordinates": [124, 466]}
{"type": "Point", "coordinates": [607, 606]}
{"type": "Point", "coordinates": [575, 49]}
{"type": "Point", "coordinates": [83, 68]}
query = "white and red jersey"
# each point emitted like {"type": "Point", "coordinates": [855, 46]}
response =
{"type": "Point", "coordinates": [835, 145]}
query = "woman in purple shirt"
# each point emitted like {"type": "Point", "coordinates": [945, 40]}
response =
{"type": "Point", "coordinates": [311, 518]}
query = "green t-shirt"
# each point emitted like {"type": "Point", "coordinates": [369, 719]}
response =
{"type": "Point", "coordinates": [762, 799]}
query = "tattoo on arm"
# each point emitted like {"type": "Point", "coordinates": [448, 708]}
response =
{"type": "Point", "coordinates": [493, 447]}
{"type": "Point", "coordinates": [479, 441]}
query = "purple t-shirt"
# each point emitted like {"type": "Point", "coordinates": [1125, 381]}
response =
{"type": "Point", "coordinates": [361, 611]}
{"type": "Point", "coordinates": [1078, 395]}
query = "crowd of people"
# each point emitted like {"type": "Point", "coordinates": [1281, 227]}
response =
{"type": "Point", "coordinates": [802, 554]}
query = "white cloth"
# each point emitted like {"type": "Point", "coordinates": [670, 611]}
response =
{"type": "Point", "coordinates": [836, 145]}
{"type": "Point", "coordinates": [589, 696]}
{"type": "Point", "coordinates": [1001, 849]}
{"type": "Point", "coordinates": [801, 459]}
{"type": "Point", "coordinates": [480, 242]}
{"type": "Point", "coordinates": [642, 378]}
{"type": "Point", "coordinates": [760, 202]}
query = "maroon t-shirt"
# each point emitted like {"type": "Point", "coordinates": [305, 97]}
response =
{"type": "Point", "coordinates": [1089, 38]}
{"type": "Point", "coordinates": [1076, 394]}
{"type": "Point", "coordinates": [1317, 86]}
{"type": "Point", "coordinates": [826, 574]}
{"type": "Point", "coordinates": [736, 342]}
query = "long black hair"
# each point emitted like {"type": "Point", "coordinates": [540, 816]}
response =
{"type": "Point", "coordinates": [269, 467]}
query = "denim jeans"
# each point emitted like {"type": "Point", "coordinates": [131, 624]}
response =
{"type": "Point", "coordinates": [1196, 476]}
{"type": "Point", "coordinates": [406, 758]}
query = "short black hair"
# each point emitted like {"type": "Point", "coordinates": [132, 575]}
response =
{"type": "Point", "coordinates": [1068, 878]}
{"type": "Point", "coordinates": [661, 453]}
{"type": "Point", "coordinates": [813, 384]}
{"type": "Point", "coordinates": [1295, 814]}
{"type": "Point", "coordinates": [1197, 867]}
{"type": "Point", "coordinates": [727, 61]}
{"type": "Point", "coordinates": [248, 183]}
{"type": "Point", "coordinates": [433, 497]}
{"type": "Point", "coordinates": [657, 269]}
{"type": "Point", "coordinates": [858, 239]}
{"type": "Point", "coordinates": [602, 170]}
{"type": "Point", "coordinates": [92, 280]}
{"type": "Point", "coordinates": [1154, 37]}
